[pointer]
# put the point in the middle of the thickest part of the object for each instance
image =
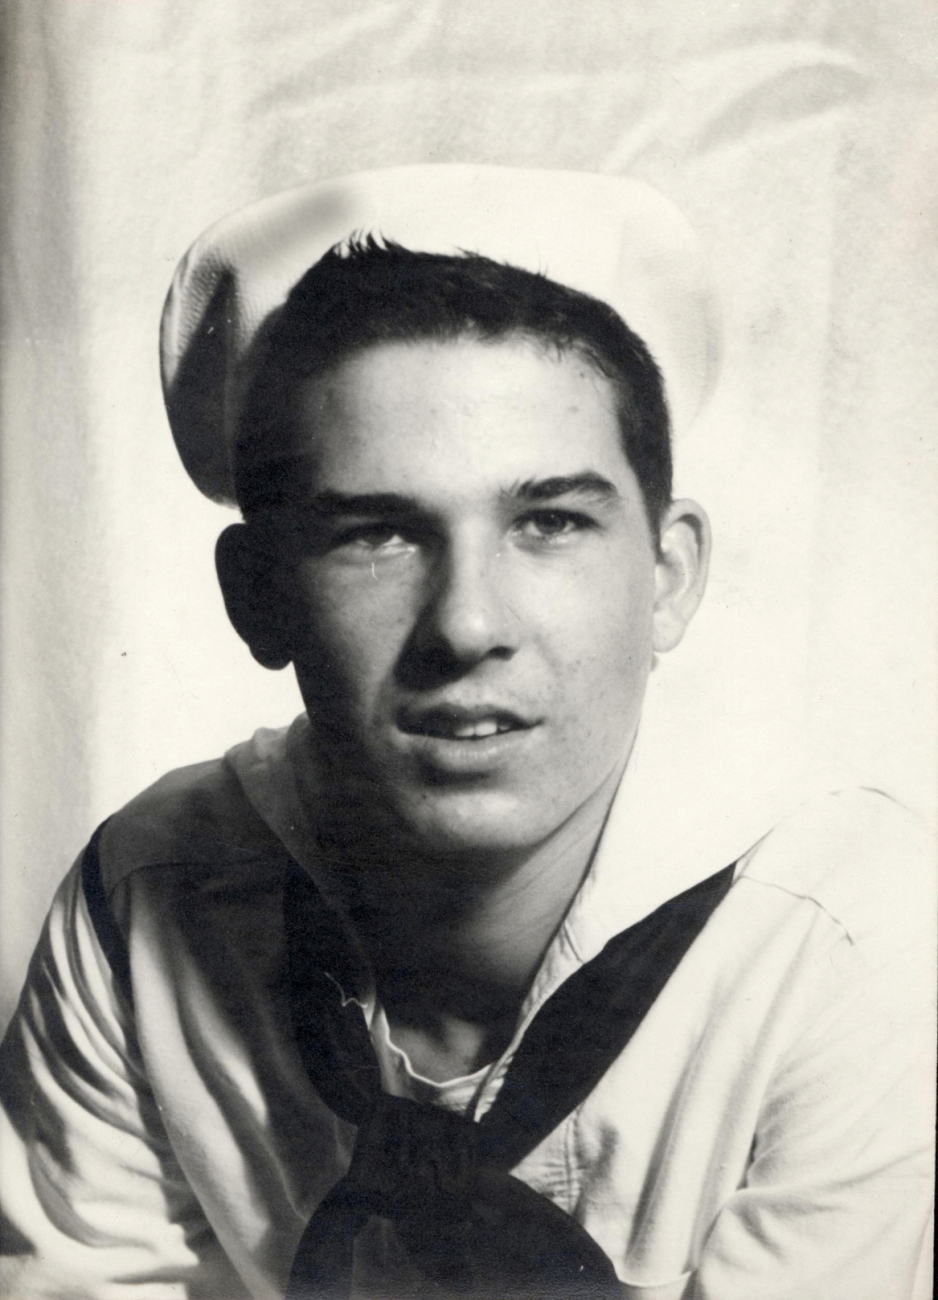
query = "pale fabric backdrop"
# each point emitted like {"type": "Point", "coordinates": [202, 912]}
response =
{"type": "Point", "coordinates": [798, 135]}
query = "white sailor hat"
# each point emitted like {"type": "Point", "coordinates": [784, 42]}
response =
{"type": "Point", "coordinates": [616, 239]}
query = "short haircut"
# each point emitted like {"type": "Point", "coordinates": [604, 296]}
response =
{"type": "Point", "coordinates": [367, 292]}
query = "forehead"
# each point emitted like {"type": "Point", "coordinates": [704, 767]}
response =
{"type": "Point", "coordinates": [461, 413]}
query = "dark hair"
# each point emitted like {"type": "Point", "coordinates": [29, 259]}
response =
{"type": "Point", "coordinates": [367, 292]}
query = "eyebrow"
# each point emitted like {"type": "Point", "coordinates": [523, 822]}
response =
{"type": "Point", "coordinates": [588, 484]}
{"type": "Point", "coordinates": [331, 504]}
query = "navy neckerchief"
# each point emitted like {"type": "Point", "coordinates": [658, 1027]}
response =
{"type": "Point", "coordinates": [442, 1179]}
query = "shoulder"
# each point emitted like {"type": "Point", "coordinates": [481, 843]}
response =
{"type": "Point", "coordinates": [858, 855]}
{"type": "Point", "coordinates": [196, 817]}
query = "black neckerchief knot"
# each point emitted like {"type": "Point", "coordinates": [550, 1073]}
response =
{"type": "Point", "coordinates": [473, 1230]}
{"type": "Point", "coordinates": [411, 1158]}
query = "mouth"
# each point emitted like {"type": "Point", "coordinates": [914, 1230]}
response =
{"type": "Point", "coordinates": [456, 722]}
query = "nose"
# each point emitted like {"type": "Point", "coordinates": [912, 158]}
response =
{"type": "Point", "coordinates": [466, 617]}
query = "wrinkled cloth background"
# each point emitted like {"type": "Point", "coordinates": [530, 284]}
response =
{"type": "Point", "coordinates": [799, 137]}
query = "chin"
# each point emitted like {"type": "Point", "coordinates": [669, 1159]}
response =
{"type": "Point", "coordinates": [465, 824]}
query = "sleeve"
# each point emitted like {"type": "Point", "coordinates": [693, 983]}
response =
{"type": "Point", "coordinates": [837, 1199]}
{"type": "Point", "coordinates": [93, 1205]}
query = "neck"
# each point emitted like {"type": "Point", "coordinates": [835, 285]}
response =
{"type": "Point", "coordinates": [455, 942]}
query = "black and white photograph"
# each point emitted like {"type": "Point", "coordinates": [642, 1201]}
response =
{"type": "Point", "coordinates": [468, 613]}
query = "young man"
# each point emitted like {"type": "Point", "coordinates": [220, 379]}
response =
{"type": "Point", "coordinates": [419, 997]}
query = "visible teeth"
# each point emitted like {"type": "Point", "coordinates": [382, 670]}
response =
{"type": "Point", "coordinates": [452, 729]}
{"type": "Point", "coordinates": [476, 730]}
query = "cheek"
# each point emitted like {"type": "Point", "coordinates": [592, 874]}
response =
{"type": "Point", "coordinates": [607, 659]}
{"type": "Point", "coordinates": [610, 672]}
{"type": "Point", "coordinates": [606, 620]}
{"type": "Point", "coordinates": [347, 631]}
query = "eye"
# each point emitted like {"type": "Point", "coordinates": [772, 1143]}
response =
{"type": "Point", "coordinates": [372, 534]}
{"type": "Point", "coordinates": [371, 537]}
{"type": "Point", "coordinates": [553, 525]}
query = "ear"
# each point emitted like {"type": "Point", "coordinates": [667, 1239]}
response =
{"type": "Point", "coordinates": [251, 582]}
{"type": "Point", "coordinates": [680, 572]}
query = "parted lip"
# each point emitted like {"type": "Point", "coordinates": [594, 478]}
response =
{"type": "Point", "coordinates": [445, 720]}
